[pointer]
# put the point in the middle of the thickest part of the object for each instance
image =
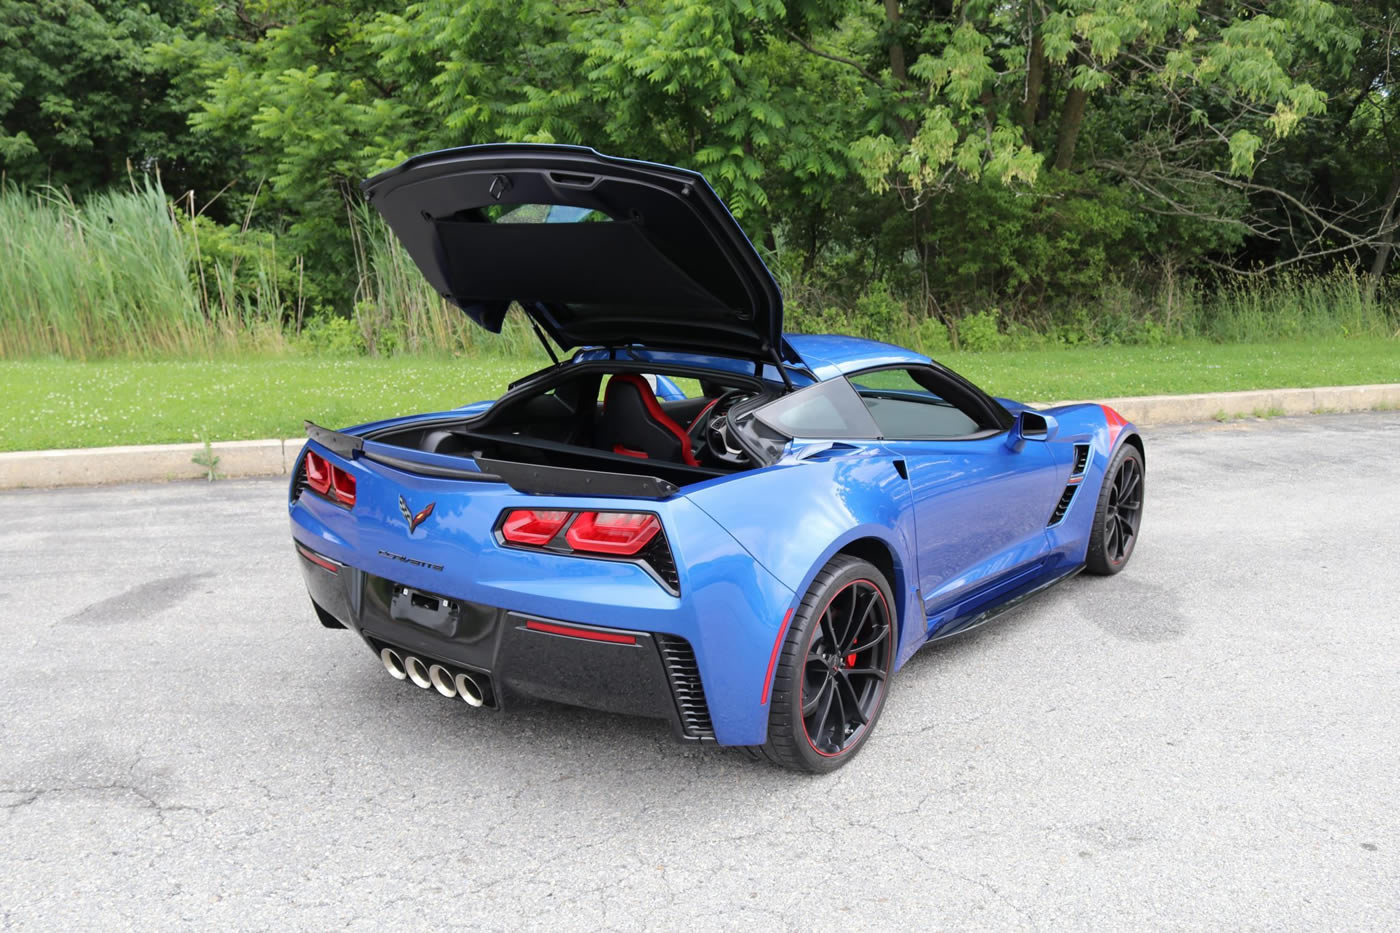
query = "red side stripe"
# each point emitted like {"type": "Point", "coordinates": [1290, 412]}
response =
{"type": "Point", "coordinates": [1116, 423]}
{"type": "Point", "coordinates": [773, 658]}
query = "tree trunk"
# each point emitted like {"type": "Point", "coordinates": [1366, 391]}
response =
{"type": "Point", "coordinates": [897, 66]}
{"type": "Point", "coordinates": [1070, 122]}
{"type": "Point", "coordinates": [1387, 236]}
{"type": "Point", "coordinates": [1035, 79]}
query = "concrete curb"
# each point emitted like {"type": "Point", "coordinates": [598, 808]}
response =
{"type": "Point", "coordinates": [160, 462]}
{"type": "Point", "coordinates": [145, 463]}
{"type": "Point", "coordinates": [1145, 410]}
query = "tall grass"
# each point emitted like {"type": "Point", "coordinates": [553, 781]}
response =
{"type": "Point", "coordinates": [121, 274]}
{"type": "Point", "coordinates": [129, 274]}
{"type": "Point", "coordinates": [108, 276]}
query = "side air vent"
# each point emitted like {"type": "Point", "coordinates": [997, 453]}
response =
{"type": "Point", "coordinates": [1081, 459]}
{"type": "Point", "coordinates": [1063, 505]}
{"type": "Point", "coordinates": [657, 556]}
{"type": "Point", "coordinates": [299, 482]}
{"type": "Point", "coordinates": [684, 675]}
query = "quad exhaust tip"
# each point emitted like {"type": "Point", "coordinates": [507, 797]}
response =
{"type": "Point", "coordinates": [469, 690]}
{"type": "Point", "coordinates": [417, 672]}
{"type": "Point", "coordinates": [393, 664]}
{"type": "Point", "coordinates": [439, 678]}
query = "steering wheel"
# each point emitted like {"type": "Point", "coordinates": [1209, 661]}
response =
{"type": "Point", "coordinates": [709, 432]}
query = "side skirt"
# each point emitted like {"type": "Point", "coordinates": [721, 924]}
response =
{"type": "Point", "coordinates": [971, 622]}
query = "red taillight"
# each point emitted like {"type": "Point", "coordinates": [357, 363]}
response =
{"type": "Point", "coordinates": [343, 485]}
{"type": "Point", "coordinates": [623, 533]}
{"type": "Point", "coordinates": [318, 473]}
{"type": "Point", "coordinates": [529, 526]}
{"type": "Point", "coordinates": [326, 479]}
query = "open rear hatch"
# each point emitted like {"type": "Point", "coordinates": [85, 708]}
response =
{"type": "Point", "coordinates": [598, 251]}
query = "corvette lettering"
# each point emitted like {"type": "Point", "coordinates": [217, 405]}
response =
{"type": "Point", "coordinates": [409, 560]}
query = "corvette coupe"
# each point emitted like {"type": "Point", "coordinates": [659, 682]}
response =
{"type": "Point", "coordinates": [691, 516]}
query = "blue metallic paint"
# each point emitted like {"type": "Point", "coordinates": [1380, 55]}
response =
{"type": "Point", "coordinates": [964, 532]}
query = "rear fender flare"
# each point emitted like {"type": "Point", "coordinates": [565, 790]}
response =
{"type": "Point", "coordinates": [794, 517]}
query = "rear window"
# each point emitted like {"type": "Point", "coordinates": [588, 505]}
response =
{"type": "Point", "coordinates": [825, 410]}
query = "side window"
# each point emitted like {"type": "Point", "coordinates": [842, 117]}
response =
{"type": "Point", "coordinates": [908, 404]}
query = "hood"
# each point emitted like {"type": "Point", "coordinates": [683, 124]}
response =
{"type": "Point", "coordinates": [599, 251]}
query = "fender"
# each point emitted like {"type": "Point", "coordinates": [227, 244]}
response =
{"type": "Point", "coordinates": [793, 517]}
{"type": "Point", "coordinates": [1105, 431]}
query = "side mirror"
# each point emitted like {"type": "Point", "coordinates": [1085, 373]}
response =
{"type": "Point", "coordinates": [1030, 426]}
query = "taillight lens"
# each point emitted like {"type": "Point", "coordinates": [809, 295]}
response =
{"type": "Point", "coordinates": [326, 479]}
{"type": "Point", "coordinates": [318, 473]}
{"type": "Point", "coordinates": [531, 526]}
{"type": "Point", "coordinates": [623, 533]}
{"type": "Point", "coordinates": [343, 486]}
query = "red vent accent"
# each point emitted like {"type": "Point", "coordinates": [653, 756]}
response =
{"type": "Point", "coordinates": [318, 560]}
{"type": "Point", "coordinates": [531, 526]}
{"type": "Point", "coordinates": [588, 634]}
{"type": "Point", "coordinates": [623, 533]}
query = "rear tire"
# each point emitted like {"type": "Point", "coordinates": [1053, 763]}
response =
{"type": "Point", "coordinates": [832, 676]}
{"type": "Point", "coordinates": [1118, 516]}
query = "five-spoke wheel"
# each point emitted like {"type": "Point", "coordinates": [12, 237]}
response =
{"type": "Point", "coordinates": [833, 673]}
{"type": "Point", "coordinates": [1119, 513]}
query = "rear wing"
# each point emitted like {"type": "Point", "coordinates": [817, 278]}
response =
{"type": "Point", "coordinates": [528, 478]}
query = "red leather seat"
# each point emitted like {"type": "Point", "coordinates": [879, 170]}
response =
{"type": "Point", "coordinates": [633, 423]}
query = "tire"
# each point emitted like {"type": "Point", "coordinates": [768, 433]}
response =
{"type": "Point", "coordinates": [1118, 515]}
{"type": "Point", "coordinates": [847, 592]}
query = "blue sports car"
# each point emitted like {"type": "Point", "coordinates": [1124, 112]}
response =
{"type": "Point", "coordinates": [694, 516]}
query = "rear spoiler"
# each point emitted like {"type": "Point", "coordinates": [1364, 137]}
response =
{"type": "Point", "coordinates": [522, 477]}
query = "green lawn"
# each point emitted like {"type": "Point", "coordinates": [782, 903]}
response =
{"type": "Point", "coordinates": [53, 403]}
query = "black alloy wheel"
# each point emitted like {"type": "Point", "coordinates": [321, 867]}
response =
{"type": "Point", "coordinates": [833, 674]}
{"type": "Point", "coordinates": [1119, 514]}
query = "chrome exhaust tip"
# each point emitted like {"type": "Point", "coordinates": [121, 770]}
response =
{"type": "Point", "coordinates": [393, 663]}
{"type": "Point", "coordinates": [417, 672]}
{"type": "Point", "coordinates": [470, 690]}
{"type": "Point", "coordinates": [441, 679]}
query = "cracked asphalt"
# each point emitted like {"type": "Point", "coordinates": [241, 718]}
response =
{"type": "Point", "coordinates": [1210, 740]}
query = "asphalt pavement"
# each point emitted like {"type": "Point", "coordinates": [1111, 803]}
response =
{"type": "Point", "coordinates": [1210, 740]}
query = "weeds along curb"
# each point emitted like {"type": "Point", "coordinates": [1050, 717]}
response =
{"type": "Point", "coordinates": [232, 459]}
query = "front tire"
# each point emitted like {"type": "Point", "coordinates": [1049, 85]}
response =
{"type": "Point", "coordinates": [833, 673]}
{"type": "Point", "coordinates": [1118, 515]}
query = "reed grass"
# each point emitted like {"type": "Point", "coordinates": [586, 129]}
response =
{"type": "Point", "coordinates": [129, 274]}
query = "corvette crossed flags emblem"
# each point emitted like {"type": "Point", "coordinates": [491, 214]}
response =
{"type": "Point", "coordinates": [414, 520]}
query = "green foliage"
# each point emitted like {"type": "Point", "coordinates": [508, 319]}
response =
{"type": "Point", "coordinates": [209, 460]}
{"type": "Point", "coordinates": [330, 336]}
{"type": "Point", "coordinates": [905, 166]}
{"type": "Point", "coordinates": [979, 332]}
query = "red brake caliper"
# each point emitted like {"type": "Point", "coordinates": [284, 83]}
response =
{"type": "Point", "coordinates": [851, 658]}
